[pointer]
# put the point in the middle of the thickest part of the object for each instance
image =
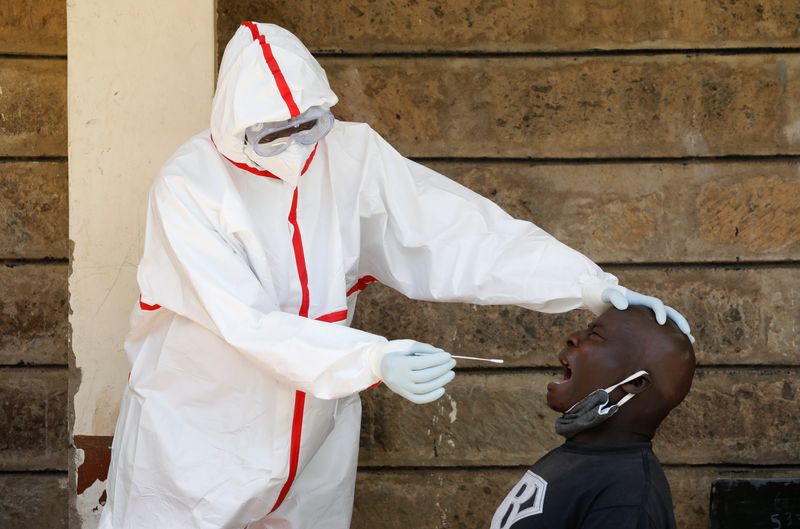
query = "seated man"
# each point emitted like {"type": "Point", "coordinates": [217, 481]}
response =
{"type": "Point", "coordinates": [605, 475]}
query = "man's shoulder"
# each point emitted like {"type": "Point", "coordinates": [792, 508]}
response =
{"type": "Point", "coordinates": [575, 487]}
{"type": "Point", "coordinates": [341, 126]}
{"type": "Point", "coordinates": [604, 478]}
{"type": "Point", "coordinates": [359, 153]}
{"type": "Point", "coordinates": [631, 489]}
{"type": "Point", "coordinates": [195, 165]}
{"type": "Point", "coordinates": [193, 151]}
{"type": "Point", "coordinates": [351, 137]}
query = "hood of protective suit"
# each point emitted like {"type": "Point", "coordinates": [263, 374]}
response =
{"type": "Point", "coordinates": [266, 75]}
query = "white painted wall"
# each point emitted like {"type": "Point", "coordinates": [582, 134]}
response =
{"type": "Point", "coordinates": [140, 83]}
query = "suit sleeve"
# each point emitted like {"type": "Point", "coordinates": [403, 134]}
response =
{"type": "Point", "coordinates": [433, 239]}
{"type": "Point", "coordinates": [189, 268]}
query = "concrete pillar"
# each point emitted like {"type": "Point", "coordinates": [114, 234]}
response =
{"type": "Point", "coordinates": [141, 78]}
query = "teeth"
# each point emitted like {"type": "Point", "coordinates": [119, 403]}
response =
{"type": "Point", "coordinates": [567, 374]}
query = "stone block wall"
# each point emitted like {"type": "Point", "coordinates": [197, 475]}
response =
{"type": "Point", "coordinates": [33, 265]}
{"type": "Point", "coordinates": [660, 138]}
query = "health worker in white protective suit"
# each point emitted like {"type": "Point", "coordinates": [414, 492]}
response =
{"type": "Point", "coordinates": [242, 408]}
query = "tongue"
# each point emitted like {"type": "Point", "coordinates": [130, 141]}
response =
{"type": "Point", "coordinates": [567, 376]}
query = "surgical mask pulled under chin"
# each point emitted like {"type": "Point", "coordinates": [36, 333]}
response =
{"type": "Point", "coordinates": [593, 409]}
{"type": "Point", "coordinates": [286, 165]}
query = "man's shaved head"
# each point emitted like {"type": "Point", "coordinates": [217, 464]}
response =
{"type": "Point", "coordinates": [666, 353]}
{"type": "Point", "coordinates": [613, 347]}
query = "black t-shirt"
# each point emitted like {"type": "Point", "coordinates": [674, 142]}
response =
{"type": "Point", "coordinates": [581, 487]}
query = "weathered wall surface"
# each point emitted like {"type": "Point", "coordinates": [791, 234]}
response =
{"type": "Point", "coordinates": [33, 265]}
{"type": "Point", "coordinates": [662, 139]}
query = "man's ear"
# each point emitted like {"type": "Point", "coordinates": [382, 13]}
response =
{"type": "Point", "coordinates": [638, 385]}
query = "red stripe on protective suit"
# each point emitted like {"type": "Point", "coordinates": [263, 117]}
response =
{"type": "Point", "coordinates": [361, 284]}
{"type": "Point", "coordinates": [308, 161]}
{"type": "Point", "coordinates": [333, 317]}
{"type": "Point", "coordinates": [253, 29]}
{"type": "Point", "coordinates": [244, 166]}
{"type": "Point", "coordinates": [294, 453]}
{"type": "Point", "coordinates": [272, 64]}
{"type": "Point", "coordinates": [145, 306]}
{"type": "Point", "coordinates": [299, 396]}
{"type": "Point", "coordinates": [258, 172]}
{"type": "Point", "coordinates": [297, 243]}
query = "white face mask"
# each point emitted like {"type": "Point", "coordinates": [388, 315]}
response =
{"type": "Point", "coordinates": [286, 165]}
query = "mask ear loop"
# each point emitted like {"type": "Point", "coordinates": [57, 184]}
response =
{"type": "Point", "coordinates": [604, 409]}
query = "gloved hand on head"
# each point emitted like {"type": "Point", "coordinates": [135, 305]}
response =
{"type": "Point", "coordinates": [599, 293]}
{"type": "Point", "coordinates": [415, 371]}
{"type": "Point", "coordinates": [621, 298]}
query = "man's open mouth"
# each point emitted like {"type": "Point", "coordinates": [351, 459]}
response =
{"type": "Point", "coordinates": [567, 373]}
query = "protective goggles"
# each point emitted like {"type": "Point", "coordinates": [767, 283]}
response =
{"type": "Point", "coordinates": [270, 139]}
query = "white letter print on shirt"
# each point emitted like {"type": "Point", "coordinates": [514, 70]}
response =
{"type": "Point", "coordinates": [525, 499]}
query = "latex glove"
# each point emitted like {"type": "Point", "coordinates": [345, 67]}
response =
{"type": "Point", "coordinates": [621, 298]}
{"type": "Point", "coordinates": [419, 374]}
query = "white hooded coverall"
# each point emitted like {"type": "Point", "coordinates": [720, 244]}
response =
{"type": "Point", "coordinates": [242, 407]}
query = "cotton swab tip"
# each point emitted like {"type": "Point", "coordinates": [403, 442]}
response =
{"type": "Point", "coordinates": [492, 360]}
